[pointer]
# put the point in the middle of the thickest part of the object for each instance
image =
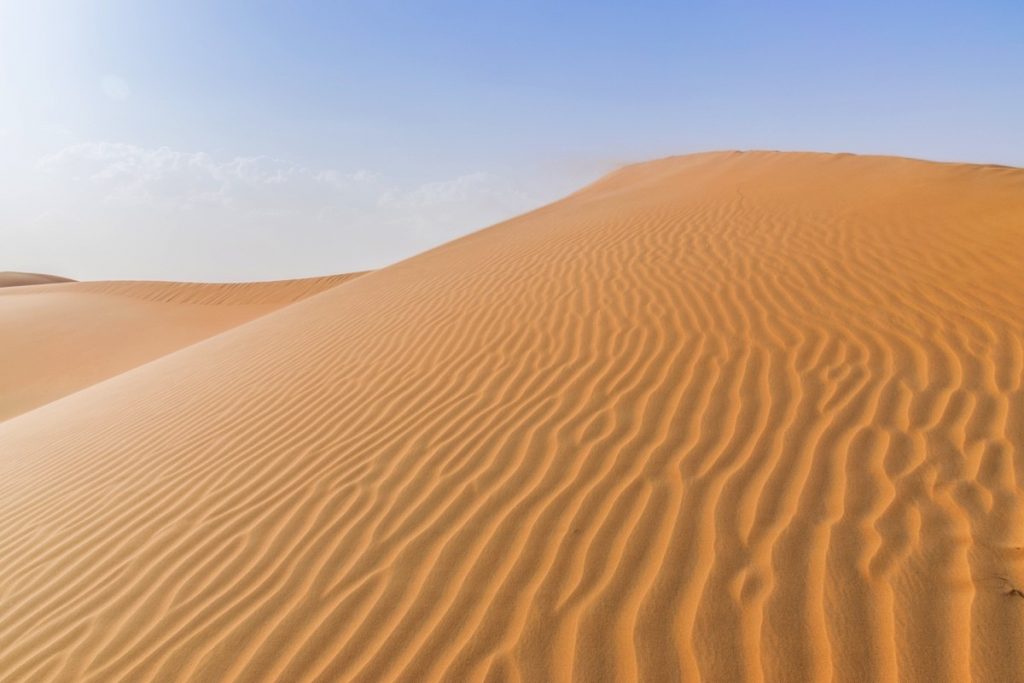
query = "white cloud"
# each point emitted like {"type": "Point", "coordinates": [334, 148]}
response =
{"type": "Point", "coordinates": [456, 201]}
{"type": "Point", "coordinates": [289, 218]}
{"type": "Point", "coordinates": [123, 174]}
{"type": "Point", "coordinates": [463, 189]}
{"type": "Point", "coordinates": [165, 178]}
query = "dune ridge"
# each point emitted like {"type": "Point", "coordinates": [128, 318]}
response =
{"type": "Point", "coordinates": [60, 338]}
{"type": "Point", "coordinates": [732, 416]}
{"type": "Point", "coordinates": [279, 292]}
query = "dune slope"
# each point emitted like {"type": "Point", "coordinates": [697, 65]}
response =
{"type": "Point", "coordinates": [14, 279]}
{"type": "Point", "coordinates": [60, 338]}
{"type": "Point", "coordinates": [721, 417]}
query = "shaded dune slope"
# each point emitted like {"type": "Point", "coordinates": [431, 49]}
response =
{"type": "Point", "coordinates": [10, 278]}
{"type": "Point", "coordinates": [723, 417]}
{"type": "Point", "coordinates": [60, 338]}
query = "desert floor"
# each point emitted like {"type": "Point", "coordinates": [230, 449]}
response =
{"type": "Point", "coordinates": [723, 417]}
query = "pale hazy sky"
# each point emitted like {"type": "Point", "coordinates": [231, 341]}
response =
{"type": "Point", "coordinates": [256, 140]}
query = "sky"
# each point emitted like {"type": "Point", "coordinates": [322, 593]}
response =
{"type": "Point", "coordinates": [217, 141]}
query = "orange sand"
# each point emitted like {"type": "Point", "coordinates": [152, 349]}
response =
{"type": "Point", "coordinates": [58, 339]}
{"type": "Point", "coordinates": [720, 417]}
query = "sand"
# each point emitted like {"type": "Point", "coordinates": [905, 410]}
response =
{"type": "Point", "coordinates": [58, 339]}
{"type": "Point", "coordinates": [15, 279]}
{"type": "Point", "coordinates": [731, 416]}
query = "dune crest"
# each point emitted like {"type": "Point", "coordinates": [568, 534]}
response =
{"type": "Point", "coordinates": [733, 416]}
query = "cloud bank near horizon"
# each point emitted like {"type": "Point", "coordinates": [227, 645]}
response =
{"type": "Point", "coordinates": [197, 213]}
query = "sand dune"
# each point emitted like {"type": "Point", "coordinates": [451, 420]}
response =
{"type": "Point", "coordinates": [60, 338]}
{"type": "Point", "coordinates": [736, 416]}
{"type": "Point", "coordinates": [13, 279]}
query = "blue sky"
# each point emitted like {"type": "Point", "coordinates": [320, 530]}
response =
{"type": "Point", "coordinates": [231, 140]}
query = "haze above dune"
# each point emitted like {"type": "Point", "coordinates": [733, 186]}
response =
{"type": "Point", "coordinates": [731, 416]}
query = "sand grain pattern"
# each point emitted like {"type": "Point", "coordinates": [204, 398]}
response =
{"type": "Point", "coordinates": [732, 416]}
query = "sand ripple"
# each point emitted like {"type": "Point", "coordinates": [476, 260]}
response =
{"type": "Point", "coordinates": [721, 417]}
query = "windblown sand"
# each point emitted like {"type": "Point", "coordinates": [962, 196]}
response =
{"type": "Point", "coordinates": [722, 417]}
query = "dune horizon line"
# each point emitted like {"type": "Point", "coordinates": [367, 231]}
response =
{"type": "Point", "coordinates": [11, 278]}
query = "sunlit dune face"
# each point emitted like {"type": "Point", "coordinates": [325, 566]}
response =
{"type": "Point", "coordinates": [724, 417]}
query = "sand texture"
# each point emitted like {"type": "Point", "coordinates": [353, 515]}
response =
{"type": "Point", "coordinates": [723, 417]}
{"type": "Point", "coordinates": [59, 338]}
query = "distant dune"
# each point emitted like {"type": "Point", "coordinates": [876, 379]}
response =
{"type": "Point", "coordinates": [60, 338]}
{"type": "Point", "coordinates": [723, 417]}
{"type": "Point", "coordinates": [12, 279]}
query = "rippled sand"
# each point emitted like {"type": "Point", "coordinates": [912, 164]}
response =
{"type": "Point", "coordinates": [732, 416]}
